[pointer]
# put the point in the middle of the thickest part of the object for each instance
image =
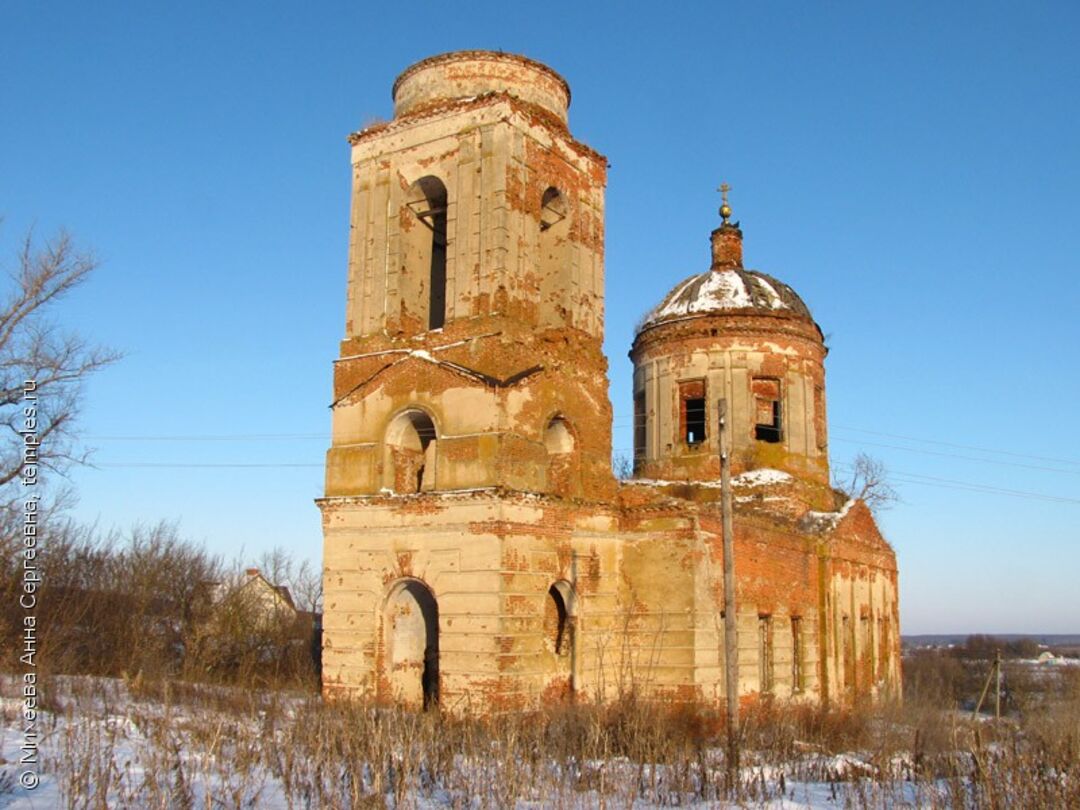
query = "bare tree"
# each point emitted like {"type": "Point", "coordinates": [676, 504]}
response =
{"type": "Point", "coordinates": [33, 349]}
{"type": "Point", "coordinates": [622, 465]}
{"type": "Point", "coordinates": [869, 482]}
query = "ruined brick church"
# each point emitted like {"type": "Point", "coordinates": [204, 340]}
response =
{"type": "Point", "coordinates": [479, 553]}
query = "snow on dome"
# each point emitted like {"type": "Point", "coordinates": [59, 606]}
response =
{"type": "Point", "coordinates": [729, 289]}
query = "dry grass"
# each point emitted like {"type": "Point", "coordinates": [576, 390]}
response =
{"type": "Point", "coordinates": [169, 744]}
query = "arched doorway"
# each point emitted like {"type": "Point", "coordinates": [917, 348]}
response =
{"type": "Point", "coordinates": [411, 638]}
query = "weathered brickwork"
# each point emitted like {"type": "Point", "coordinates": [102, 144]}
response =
{"type": "Point", "coordinates": [478, 551]}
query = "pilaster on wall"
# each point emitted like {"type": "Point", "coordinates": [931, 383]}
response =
{"type": "Point", "coordinates": [496, 163]}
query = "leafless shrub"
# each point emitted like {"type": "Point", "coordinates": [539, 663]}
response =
{"type": "Point", "coordinates": [869, 482]}
{"type": "Point", "coordinates": [148, 604]}
{"type": "Point", "coordinates": [622, 465]}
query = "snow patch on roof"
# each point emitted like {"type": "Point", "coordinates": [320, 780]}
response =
{"type": "Point", "coordinates": [760, 478]}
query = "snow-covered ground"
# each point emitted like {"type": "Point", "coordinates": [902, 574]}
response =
{"type": "Point", "coordinates": [103, 746]}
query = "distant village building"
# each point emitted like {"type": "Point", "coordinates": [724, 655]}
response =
{"type": "Point", "coordinates": [478, 550]}
{"type": "Point", "coordinates": [259, 601]}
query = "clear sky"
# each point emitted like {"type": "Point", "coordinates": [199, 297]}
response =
{"type": "Point", "coordinates": [912, 170]}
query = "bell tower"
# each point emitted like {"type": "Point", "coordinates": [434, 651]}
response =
{"type": "Point", "coordinates": [476, 258]}
{"type": "Point", "coordinates": [474, 202]}
{"type": "Point", "coordinates": [470, 409]}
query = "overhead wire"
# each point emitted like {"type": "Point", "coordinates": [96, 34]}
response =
{"type": "Point", "coordinates": [900, 477]}
{"type": "Point", "coordinates": [625, 420]}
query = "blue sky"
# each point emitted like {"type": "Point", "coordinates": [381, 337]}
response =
{"type": "Point", "coordinates": [912, 171]}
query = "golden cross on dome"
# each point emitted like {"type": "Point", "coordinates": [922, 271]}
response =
{"type": "Point", "coordinates": [725, 209]}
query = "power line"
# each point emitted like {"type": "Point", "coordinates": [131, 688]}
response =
{"type": "Point", "coordinates": [223, 437]}
{"type": "Point", "coordinates": [959, 446]}
{"type": "Point", "coordinates": [899, 477]}
{"type": "Point", "coordinates": [943, 454]}
{"type": "Point", "coordinates": [180, 465]}
{"type": "Point", "coordinates": [949, 483]}
{"type": "Point", "coordinates": [620, 422]}
{"type": "Point", "coordinates": [628, 420]}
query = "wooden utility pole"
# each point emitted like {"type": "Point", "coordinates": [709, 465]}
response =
{"type": "Point", "coordinates": [731, 644]}
{"type": "Point", "coordinates": [995, 673]}
{"type": "Point", "coordinates": [997, 700]}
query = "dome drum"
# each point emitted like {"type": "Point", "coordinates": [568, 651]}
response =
{"type": "Point", "coordinates": [743, 337]}
{"type": "Point", "coordinates": [463, 75]}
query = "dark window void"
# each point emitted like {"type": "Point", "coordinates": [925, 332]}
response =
{"type": "Point", "coordinates": [559, 630]}
{"type": "Point", "coordinates": [692, 411]}
{"type": "Point", "coordinates": [430, 209]}
{"type": "Point", "coordinates": [437, 304]}
{"type": "Point", "coordinates": [640, 435]}
{"type": "Point", "coordinates": [767, 414]}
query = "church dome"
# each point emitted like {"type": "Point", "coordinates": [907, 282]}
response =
{"type": "Point", "coordinates": [720, 291]}
{"type": "Point", "coordinates": [735, 340]}
{"type": "Point", "coordinates": [727, 287]}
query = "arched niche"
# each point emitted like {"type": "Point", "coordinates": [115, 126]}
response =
{"type": "Point", "coordinates": [411, 644]}
{"type": "Point", "coordinates": [558, 437]}
{"type": "Point", "coordinates": [409, 454]}
{"type": "Point", "coordinates": [422, 271]}
{"type": "Point", "coordinates": [560, 443]}
{"type": "Point", "coordinates": [555, 259]}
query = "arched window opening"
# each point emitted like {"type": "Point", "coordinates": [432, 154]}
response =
{"type": "Point", "coordinates": [555, 270]}
{"type": "Point", "coordinates": [410, 453]}
{"type": "Point", "coordinates": [423, 287]}
{"type": "Point", "coordinates": [557, 617]}
{"type": "Point", "coordinates": [412, 642]}
{"type": "Point", "coordinates": [552, 208]}
{"type": "Point", "coordinates": [557, 607]}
